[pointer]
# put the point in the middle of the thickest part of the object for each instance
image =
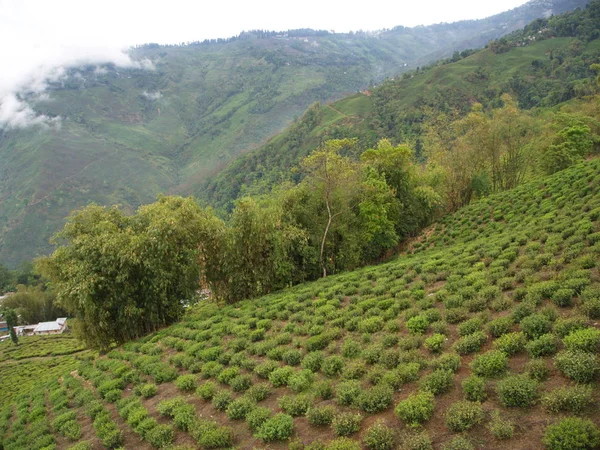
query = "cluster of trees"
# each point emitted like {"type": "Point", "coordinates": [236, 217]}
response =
{"type": "Point", "coordinates": [126, 275]}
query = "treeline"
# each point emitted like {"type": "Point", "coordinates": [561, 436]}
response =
{"type": "Point", "coordinates": [28, 296]}
{"type": "Point", "coordinates": [125, 276]}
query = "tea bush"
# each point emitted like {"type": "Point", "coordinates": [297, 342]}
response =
{"type": "Point", "coordinates": [474, 388]}
{"type": "Point", "coordinates": [573, 399]}
{"type": "Point", "coordinates": [490, 364]}
{"type": "Point", "coordinates": [572, 434]}
{"type": "Point", "coordinates": [379, 437]}
{"type": "Point", "coordinates": [517, 390]}
{"type": "Point", "coordinates": [346, 423]}
{"type": "Point", "coordinates": [416, 409]}
{"type": "Point", "coordinates": [578, 365]}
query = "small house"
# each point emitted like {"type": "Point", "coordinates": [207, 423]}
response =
{"type": "Point", "coordinates": [56, 327]}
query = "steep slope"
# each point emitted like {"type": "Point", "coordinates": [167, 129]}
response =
{"type": "Point", "coordinates": [495, 305]}
{"type": "Point", "coordinates": [546, 64]}
{"type": "Point", "coordinates": [127, 135]}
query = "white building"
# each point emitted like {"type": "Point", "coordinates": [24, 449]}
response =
{"type": "Point", "coordinates": [56, 327]}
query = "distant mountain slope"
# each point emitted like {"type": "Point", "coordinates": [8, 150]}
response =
{"type": "Point", "coordinates": [127, 135]}
{"type": "Point", "coordinates": [553, 67]}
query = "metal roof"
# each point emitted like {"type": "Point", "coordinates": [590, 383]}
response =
{"type": "Point", "coordinates": [47, 326]}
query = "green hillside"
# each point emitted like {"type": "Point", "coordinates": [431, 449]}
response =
{"type": "Point", "coordinates": [128, 134]}
{"type": "Point", "coordinates": [482, 336]}
{"type": "Point", "coordinates": [546, 64]}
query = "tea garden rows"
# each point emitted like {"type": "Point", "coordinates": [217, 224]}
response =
{"type": "Point", "coordinates": [483, 337]}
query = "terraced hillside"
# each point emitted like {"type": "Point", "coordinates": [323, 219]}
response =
{"type": "Point", "coordinates": [37, 359]}
{"type": "Point", "coordinates": [483, 336]}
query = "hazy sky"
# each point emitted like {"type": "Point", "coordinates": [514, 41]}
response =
{"type": "Point", "coordinates": [39, 38]}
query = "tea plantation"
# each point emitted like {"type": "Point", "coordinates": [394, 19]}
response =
{"type": "Point", "coordinates": [483, 335]}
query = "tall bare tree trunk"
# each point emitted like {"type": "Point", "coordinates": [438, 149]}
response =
{"type": "Point", "coordinates": [329, 219]}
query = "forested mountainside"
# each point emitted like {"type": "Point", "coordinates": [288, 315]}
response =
{"type": "Point", "coordinates": [546, 64]}
{"type": "Point", "coordinates": [127, 134]}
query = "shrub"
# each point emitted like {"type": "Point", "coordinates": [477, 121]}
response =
{"type": "Point", "coordinates": [517, 390]}
{"type": "Point", "coordinates": [564, 326]}
{"type": "Point", "coordinates": [347, 392]}
{"type": "Point", "coordinates": [322, 415]}
{"type": "Point", "coordinates": [491, 364]}
{"type": "Point", "coordinates": [318, 342]}
{"type": "Point", "coordinates": [295, 405]}
{"type": "Point", "coordinates": [209, 434]}
{"type": "Point", "coordinates": [184, 416]}
{"type": "Point", "coordinates": [228, 374]}
{"type": "Point", "coordinates": [500, 326]}
{"type": "Point", "coordinates": [207, 390]}
{"type": "Point", "coordinates": [257, 417]}
{"type": "Point", "coordinates": [324, 389]}
{"type": "Point", "coordinates": [263, 370]}
{"type": "Point", "coordinates": [407, 373]}
{"type": "Point", "coordinates": [279, 377]}
{"type": "Point", "coordinates": [542, 346]}
{"type": "Point", "coordinates": [379, 437]}
{"type": "Point", "coordinates": [474, 388]}
{"type": "Point", "coordinates": [277, 428]}
{"type": "Point", "coordinates": [435, 343]}
{"type": "Point", "coordinates": [448, 361]}
{"type": "Point", "coordinates": [587, 340]}
{"type": "Point", "coordinates": [535, 325]}
{"type": "Point", "coordinates": [168, 407]}
{"type": "Point", "coordinates": [333, 366]}
{"type": "Point", "coordinates": [83, 445]}
{"type": "Point", "coordinates": [573, 399]}
{"type": "Point", "coordinates": [470, 326]}
{"type": "Point", "coordinates": [463, 415]}
{"type": "Point", "coordinates": [417, 324]}
{"type": "Point", "coordinates": [239, 408]}
{"type": "Point", "coordinates": [160, 436]}
{"type": "Point", "coordinates": [340, 444]}
{"type": "Point", "coordinates": [459, 443]}
{"type": "Point", "coordinates": [511, 343]}
{"type": "Point", "coordinates": [346, 423]}
{"type": "Point", "coordinates": [186, 383]}
{"type": "Point", "coordinates": [563, 297]}
{"type": "Point", "coordinates": [376, 399]}
{"type": "Point", "coordinates": [416, 409]}
{"type": "Point", "coordinates": [312, 361]}
{"type": "Point", "coordinates": [471, 343]}
{"type": "Point", "coordinates": [437, 382]}
{"type": "Point", "coordinates": [500, 428]}
{"type": "Point", "coordinates": [241, 383]}
{"type": "Point", "coordinates": [537, 369]}
{"type": "Point", "coordinates": [147, 390]}
{"type": "Point", "coordinates": [417, 441]}
{"type": "Point", "coordinates": [292, 357]}
{"type": "Point", "coordinates": [582, 367]}
{"type": "Point", "coordinates": [258, 392]}
{"type": "Point", "coordinates": [351, 349]}
{"type": "Point", "coordinates": [221, 399]}
{"type": "Point", "coordinates": [572, 434]}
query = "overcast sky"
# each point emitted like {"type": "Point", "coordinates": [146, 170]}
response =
{"type": "Point", "coordinates": [39, 38]}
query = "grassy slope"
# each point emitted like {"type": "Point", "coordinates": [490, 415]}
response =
{"type": "Point", "coordinates": [489, 260]}
{"type": "Point", "coordinates": [35, 360]}
{"type": "Point", "coordinates": [452, 85]}
{"type": "Point", "coordinates": [217, 101]}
